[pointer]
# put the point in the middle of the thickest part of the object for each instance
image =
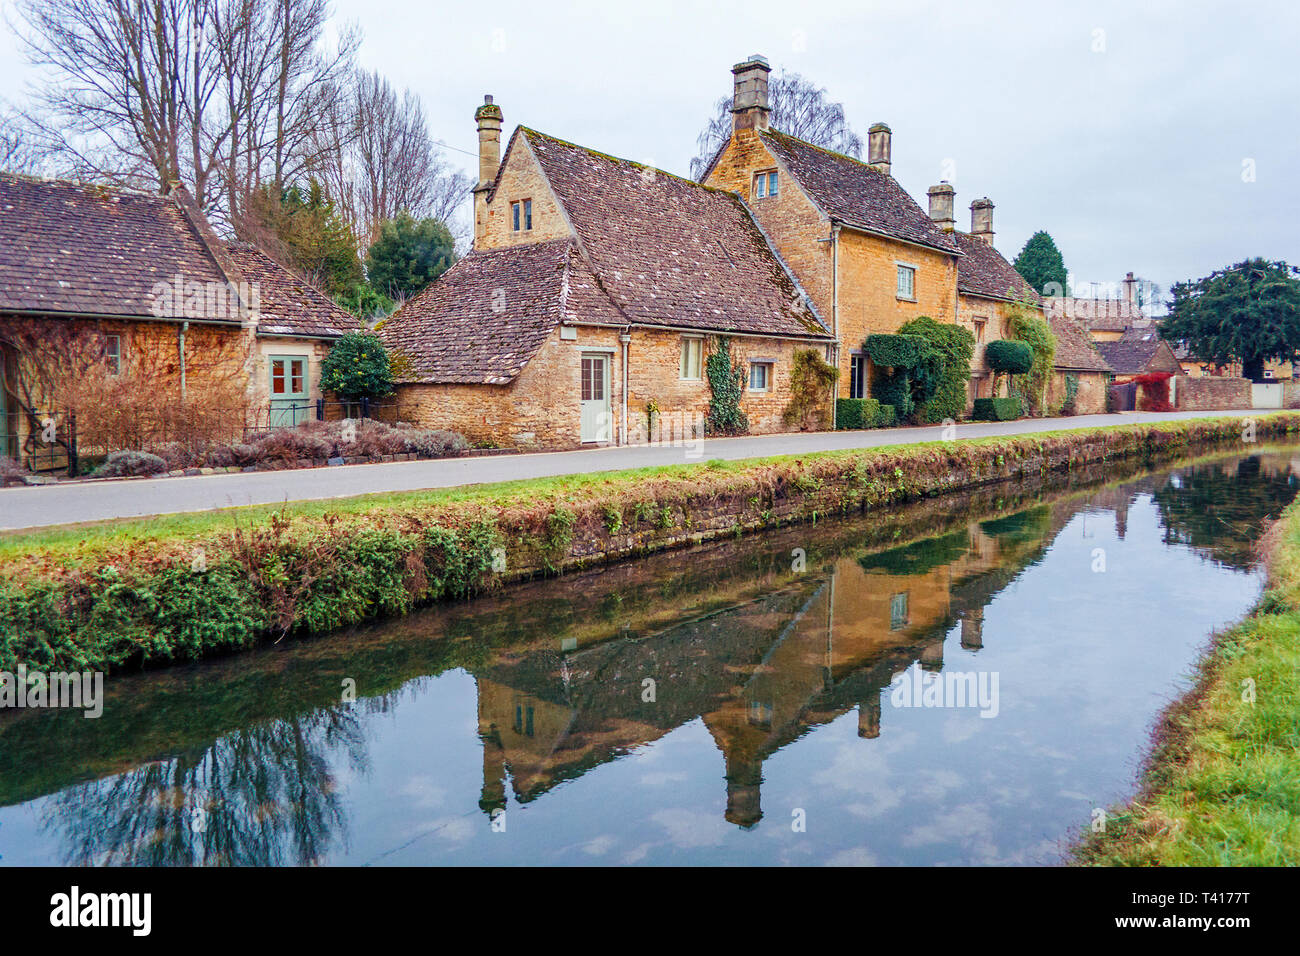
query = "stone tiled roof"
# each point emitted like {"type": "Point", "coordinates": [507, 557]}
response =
{"type": "Point", "coordinates": [851, 191]}
{"type": "Point", "coordinates": [89, 250]}
{"type": "Point", "coordinates": [1075, 351]}
{"type": "Point", "coordinates": [289, 305]}
{"type": "Point", "coordinates": [669, 251]}
{"type": "Point", "coordinates": [483, 319]}
{"type": "Point", "coordinates": [1138, 352]}
{"type": "Point", "coordinates": [1100, 315]}
{"type": "Point", "coordinates": [983, 271]}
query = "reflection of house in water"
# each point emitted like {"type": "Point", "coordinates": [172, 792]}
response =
{"type": "Point", "coordinates": [759, 675]}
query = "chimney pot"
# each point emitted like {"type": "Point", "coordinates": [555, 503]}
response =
{"type": "Point", "coordinates": [981, 219]}
{"type": "Point", "coordinates": [879, 147]}
{"type": "Point", "coordinates": [941, 197]}
{"type": "Point", "coordinates": [749, 109]}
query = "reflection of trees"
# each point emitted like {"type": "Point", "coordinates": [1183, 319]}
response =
{"type": "Point", "coordinates": [266, 794]}
{"type": "Point", "coordinates": [1217, 509]}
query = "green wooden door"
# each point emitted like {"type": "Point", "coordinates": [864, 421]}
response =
{"type": "Point", "coordinates": [290, 404]}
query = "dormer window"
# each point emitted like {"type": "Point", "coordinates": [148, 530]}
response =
{"type": "Point", "coordinates": [765, 184]}
{"type": "Point", "coordinates": [521, 214]}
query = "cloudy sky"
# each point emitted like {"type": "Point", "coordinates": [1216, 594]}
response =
{"type": "Point", "coordinates": [1157, 137]}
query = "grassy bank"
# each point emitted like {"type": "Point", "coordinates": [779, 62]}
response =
{"type": "Point", "coordinates": [1222, 784]}
{"type": "Point", "coordinates": [138, 592]}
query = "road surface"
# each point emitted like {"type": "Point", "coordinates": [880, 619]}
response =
{"type": "Point", "coordinates": [73, 502]}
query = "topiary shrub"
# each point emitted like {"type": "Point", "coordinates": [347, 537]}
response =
{"type": "Point", "coordinates": [886, 417]}
{"type": "Point", "coordinates": [128, 464]}
{"type": "Point", "coordinates": [357, 366]}
{"type": "Point", "coordinates": [908, 370]}
{"type": "Point", "coordinates": [1009, 357]}
{"type": "Point", "coordinates": [856, 413]}
{"type": "Point", "coordinates": [996, 409]}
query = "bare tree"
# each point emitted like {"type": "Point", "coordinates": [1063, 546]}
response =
{"type": "Point", "coordinates": [799, 107]}
{"type": "Point", "coordinates": [377, 158]}
{"type": "Point", "coordinates": [217, 94]}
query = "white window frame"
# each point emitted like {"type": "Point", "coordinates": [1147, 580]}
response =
{"type": "Point", "coordinates": [113, 355]}
{"type": "Point", "coordinates": [692, 345]}
{"type": "Point", "coordinates": [768, 371]}
{"type": "Point", "coordinates": [521, 215]}
{"type": "Point", "coordinates": [910, 270]}
{"type": "Point", "coordinates": [766, 184]}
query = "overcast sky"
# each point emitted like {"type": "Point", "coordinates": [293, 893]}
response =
{"type": "Point", "coordinates": [1128, 131]}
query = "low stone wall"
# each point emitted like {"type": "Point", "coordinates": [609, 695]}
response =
{"type": "Point", "coordinates": [1210, 393]}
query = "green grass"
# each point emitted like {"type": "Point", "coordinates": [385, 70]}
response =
{"type": "Point", "coordinates": [1222, 786]}
{"type": "Point", "coordinates": [567, 489]}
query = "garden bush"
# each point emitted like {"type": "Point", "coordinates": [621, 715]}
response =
{"type": "Point", "coordinates": [856, 413]}
{"type": "Point", "coordinates": [126, 464]}
{"type": "Point", "coordinates": [955, 346]}
{"type": "Point", "coordinates": [996, 409]}
{"type": "Point", "coordinates": [1009, 357]}
{"type": "Point", "coordinates": [886, 416]}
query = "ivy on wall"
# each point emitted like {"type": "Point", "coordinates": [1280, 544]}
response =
{"type": "Point", "coordinates": [727, 383]}
{"type": "Point", "coordinates": [811, 381]}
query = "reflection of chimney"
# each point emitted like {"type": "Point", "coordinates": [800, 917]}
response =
{"type": "Point", "coordinates": [981, 220]}
{"type": "Point", "coordinates": [879, 147]}
{"type": "Point", "coordinates": [941, 206]}
{"type": "Point", "coordinates": [1121, 518]}
{"type": "Point", "coordinates": [488, 118]}
{"type": "Point", "coordinates": [749, 97]}
{"type": "Point", "coordinates": [869, 719]}
{"type": "Point", "coordinates": [744, 804]}
{"type": "Point", "coordinates": [931, 657]}
{"type": "Point", "coordinates": [493, 795]}
{"type": "Point", "coordinates": [972, 629]}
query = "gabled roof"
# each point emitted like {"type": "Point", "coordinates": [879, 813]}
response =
{"type": "Point", "coordinates": [1138, 352]}
{"type": "Point", "coordinates": [483, 319]}
{"type": "Point", "coordinates": [983, 271]}
{"type": "Point", "coordinates": [288, 304]}
{"type": "Point", "coordinates": [852, 192]}
{"type": "Point", "coordinates": [90, 250]}
{"type": "Point", "coordinates": [1075, 351]}
{"type": "Point", "coordinates": [669, 251]}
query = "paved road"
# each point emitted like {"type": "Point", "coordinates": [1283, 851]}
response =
{"type": "Point", "coordinates": [30, 507]}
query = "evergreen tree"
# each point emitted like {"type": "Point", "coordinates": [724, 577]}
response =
{"type": "Point", "coordinates": [1042, 266]}
{"type": "Point", "coordinates": [408, 255]}
{"type": "Point", "coordinates": [1247, 313]}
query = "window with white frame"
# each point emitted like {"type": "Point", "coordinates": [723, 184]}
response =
{"type": "Point", "coordinates": [521, 215]}
{"type": "Point", "coordinates": [113, 353]}
{"type": "Point", "coordinates": [906, 282]}
{"type": "Point", "coordinates": [760, 376]}
{"type": "Point", "coordinates": [692, 362]}
{"type": "Point", "coordinates": [765, 184]}
{"type": "Point", "coordinates": [857, 376]}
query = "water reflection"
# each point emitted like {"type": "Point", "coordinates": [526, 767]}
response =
{"type": "Point", "coordinates": [250, 761]}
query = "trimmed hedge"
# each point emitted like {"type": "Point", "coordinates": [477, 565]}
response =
{"type": "Point", "coordinates": [1009, 356]}
{"type": "Point", "coordinates": [863, 413]}
{"type": "Point", "coordinates": [996, 409]}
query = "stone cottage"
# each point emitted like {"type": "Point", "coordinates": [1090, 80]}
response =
{"type": "Point", "coordinates": [97, 281]}
{"type": "Point", "coordinates": [596, 290]}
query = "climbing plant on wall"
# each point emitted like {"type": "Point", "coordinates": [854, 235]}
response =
{"type": "Point", "coordinates": [955, 345]}
{"type": "Point", "coordinates": [811, 381]}
{"type": "Point", "coordinates": [727, 383]}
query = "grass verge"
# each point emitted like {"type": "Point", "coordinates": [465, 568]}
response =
{"type": "Point", "coordinates": [1222, 784]}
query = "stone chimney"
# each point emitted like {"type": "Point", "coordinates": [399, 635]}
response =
{"type": "Point", "coordinates": [749, 109]}
{"type": "Point", "coordinates": [488, 118]}
{"type": "Point", "coordinates": [878, 147]}
{"type": "Point", "coordinates": [1130, 290]}
{"type": "Point", "coordinates": [941, 206]}
{"type": "Point", "coordinates": [981, 219]}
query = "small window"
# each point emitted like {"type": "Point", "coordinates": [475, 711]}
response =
{"type": "Point", "coordinates": [906, 282]}
{"type": "Point", "coordinates": [113, 353]}
{"type": "Point", "coordinates": [521, 215]}
{"type": "Point", "coordinates": [765, 184]}
{"type": "Point", "coordinates": [692, 358]}
{"type": "Point", "coordinates": [760, 377]}
{"type": "Point", "coordinates": [979, 330]}
{"type": "Point", "coordinates": [857, 376]}
{"type": "Point", "coordinates": [898, 616]}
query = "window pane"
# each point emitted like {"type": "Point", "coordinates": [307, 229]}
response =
{"type": "Point", "coordinates": [771, 184]}
{"type": "Point", "coordinates": [514, 211]}
{"type": "Point", "coordinates": [277, 376]}
{"type": "Point", "coordinates": [528, 214]}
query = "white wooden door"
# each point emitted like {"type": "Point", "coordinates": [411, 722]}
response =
{"type": "Point", "coordinates": [596, 417]}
